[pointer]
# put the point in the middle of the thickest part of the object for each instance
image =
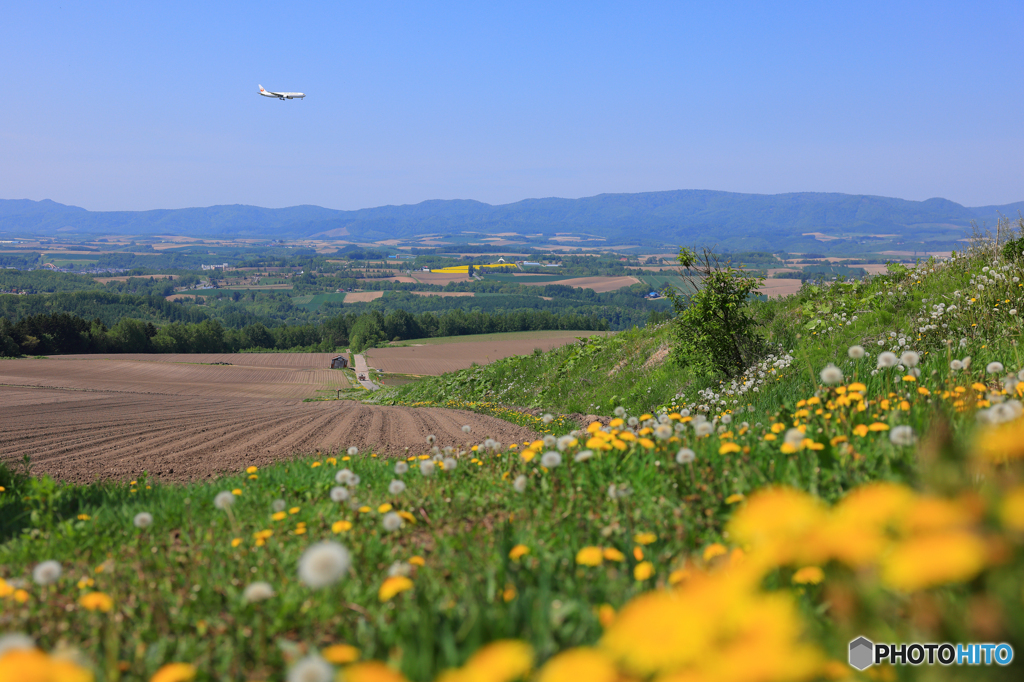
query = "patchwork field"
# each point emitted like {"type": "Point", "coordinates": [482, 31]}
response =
{"type": "Point", "coordinates": [362, 296]}
{"type": "Point", "coordinates": [80, 418]}
{"type": "Point", "coordinates": [437, 356]}
{"type": "Point", "coordinates": [598, 284]}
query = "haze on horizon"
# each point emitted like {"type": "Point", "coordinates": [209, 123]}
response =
{"type": "Point", "coordinates": [122, 106]}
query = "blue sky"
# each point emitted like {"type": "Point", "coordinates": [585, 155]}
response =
{"type": "Point", "coordinates": [154, 105]}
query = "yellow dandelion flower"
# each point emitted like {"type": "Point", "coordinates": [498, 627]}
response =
{"type": "Point", "coordinates": [770, 436]}
{"type": "Point", "coordinates": [509, 593]}
{"type": "Point", "coordinates": [407, 516]}
{"type": "Point", "coordinates": [638, 553]}
{"type": "Point", "coordinates": [96, 601]}
{"type": "Point", "coordinates": [253, 477]}
{"type": "Point", "coordinates": [364, 510]}
{"type": "Point", "coordinates": [934, 559]}
{"type": "Point", "coordinates": [82, 584]}
{"type": "Point", "coordinates": [314, 465]}
{"type": "Point", "coordinates": [175, 672]}
{"type": "Point", "coordinates": [528, 455]}
{"type": "Point", "coordinates": [500, 661]}
{"type": "Point", "coordinates": [341, 526]}
{"type": "Point", "coordinates": [417, 560]}
{"type": "Point", "coordinates": [734, 498]}
{"type": "Point", "coordinates": [21, 596]}
{"type": "Point", "coordinates": [582, 663]}
{"type": "Point", "coordinates": [293, 510]}
{"type": "Point", "coordinates": [645, 538]}
{"type": "Point", "coordinates": [678, 576]}
{"type": "Point", "coordinates": [605, 614]}
{"type": "Point", "coordinates": [860, 430]}
{"type": "Point", "coordinates": [714, 550]}
{"type": "Point", "coordinates": [372, 671]}
{"type": "Point", "coordinates": [277, 516]}
{"type": "Point", "coordinates": [612, 554]}
{"type": "Point", "coordinates": [384, 508]}
{"type": "Point", "coordinates": [392, 586]}
{"type": "Point", "coordinates": [878, 426]}
{"type": "Point", "coordinates": [643, 571]}
{"type": "Point", "coordinates": [518, 551]}
{"type": "Point", "coordinates": [235, 542]}
{"type": "Point", "coordinates": [340, 654]}
{"type": "Point", "coordinates": [646, 443]}
{"type": "Point", "coordinates": [589, 556]}
{"type": "Point", "coordinates": [808, 575]}
{"type": "Point", "coordinates": [727, 448]}
{"type": "Point", "coordinates": [251, 470]}
{"type": "Point", "coordinates": [236, 491]}
{"type": "Point", "coordinates": [84, 517]}
{"type": "Point", "coordinates": [1012, 509]}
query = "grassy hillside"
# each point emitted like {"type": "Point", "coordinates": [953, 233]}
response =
{"type": "Point", "coordinates": [748, 535]}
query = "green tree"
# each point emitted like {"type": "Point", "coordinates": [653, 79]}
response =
{"type": "Point", "coordinates": [714, 328]}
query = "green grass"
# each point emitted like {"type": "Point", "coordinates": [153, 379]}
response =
{"type": "Point", "coordinates": [314, 301]}
{"type": "Point", "coordinates": [500, 336]}
{"type": "Point", "coordinates": [177, 585]}
{"type": "Point", "coordinates": [524, 278]}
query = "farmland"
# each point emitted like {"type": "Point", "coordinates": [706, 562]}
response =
{"type": "Point", "coordinates": [437, 356]}
{"type": "Point", "coordinates": [85, 417]}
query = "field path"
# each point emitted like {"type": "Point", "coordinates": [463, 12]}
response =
{"type": "Point", "coordinates": [363, 371]}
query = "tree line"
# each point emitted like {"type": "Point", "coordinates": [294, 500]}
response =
{"type": "Point", "coordinates": [66, 333]}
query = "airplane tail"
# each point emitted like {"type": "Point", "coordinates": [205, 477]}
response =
{"type": "Point", "coordinates": [261, 89]}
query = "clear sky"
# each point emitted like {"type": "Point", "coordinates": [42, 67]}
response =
{"type": "Point", "coordinates": [141, 105]}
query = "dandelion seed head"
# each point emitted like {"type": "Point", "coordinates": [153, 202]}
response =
{"type": "Point", "coordinates": [143, 520]}
{"type": "Point", "coordinates": [519, 485]}
{"type": "Point", "coordinates": [15, 641]}
{"type": "Point", "coordinates": [339, 494]}
{"type": "Point", "coordinates": [564, 442]}
{"type": "Point", "coordinates": [450, 463]}
{"type": "Point", "coordinates": [224, 499]}
{"type": "Point", "coordinates": [396, 487]}
{"type": "Point", "coordinates": [619, 411]}
{"type": "Point", "coordinates": [278, 505]}
{"type": "Point", "coordinates": [427, 467]}
{"type": "Point", "coordinates": [353, 451]}
{"type": "Point", "coordinates": [47, 572]}
{"type": "Point", "coordinates": [902, 436]}
{"type": "Point", "coordinates": [344, 477]}
{"type": "Point", "coordinates": [549, 441]}
{"type": "Point", "coordinates": [794, 437]}
{"type": "Point", "coordinates": [994, 367]}
{"type": "Point", "coordinates": [685, 456]}
{"type": "Point", "coordinates": [547, 418]}
{"type": "Point", "coordinates": [401, 467]}
{"type": "Point", "coordinates": [311, 669]}
{"type": "Point", "coordinates": [633, 422]}
{"type": "Point", "coordinates": [467, 428]}
{"type": "Point", "coordinates": [887, 360]}
{"type": "Point", "coordinates": [831, 375]}
{"type": "Point", "coordinates": [551, 459]}
{"type": "Point", "coordinates": [401, 568]}
{"type": "Point", "coordinates": [726, 418]}
{"type": "Point", "coordinates": [910, 358]}
{"type": "Point", "coordinates": [583, 455]}
{"type": "Point", "coordinates": [956, 365]}
{"type": "Point", "coordinates": [258, 591]}
{"type": "Point", "coordinates": [704, 429]}
{"type": "Point", "coordinates": [323, 564]}
{"type": "Point", "coordinates": [392, 521]}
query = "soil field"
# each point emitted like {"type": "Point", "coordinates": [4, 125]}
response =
{"type": "Point", "coordinates": [439, 358]}
{"type": "Point", "coordinates": [286, 360]}
{"type": "Point", "coordinates": [439, 277]}
{"type": "Point", "coordinates": [362, 296]}
{"type": "Point", "coordinates": [104, 280]}
{"type": "Point", "coordinates": [598, 284]}
{"type": "Point", "coordinates": [777, 288]}
{"type": "Point", "coordinates": [82, 418]}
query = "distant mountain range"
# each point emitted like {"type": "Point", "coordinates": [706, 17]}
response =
{"type": "Point", "coordinates": [674, 217]}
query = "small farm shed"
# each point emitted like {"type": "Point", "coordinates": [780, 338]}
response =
{"type": "Point", "coordinates": [339, 362]}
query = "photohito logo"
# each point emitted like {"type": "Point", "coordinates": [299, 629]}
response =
{"type": "Point", "coordinates": [865, 653]}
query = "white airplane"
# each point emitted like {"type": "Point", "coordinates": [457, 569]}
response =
{"type": "Point", "coordinates": [282, 95]}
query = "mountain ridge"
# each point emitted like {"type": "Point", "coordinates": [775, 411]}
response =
{"type": "Point", "coordinates": [671, 216]}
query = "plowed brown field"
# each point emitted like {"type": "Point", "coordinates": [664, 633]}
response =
{"type": "Point", "coordinates": [81, 418]}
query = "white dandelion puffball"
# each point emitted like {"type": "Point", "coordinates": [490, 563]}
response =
{"type": "Point", "coordinates": [966, 362]}
{"type": "Point", "coordinates": [353, 451]}
{"type": "Point", "coordinates": [392, 522]}
{"type": "Point", "coordinates": [549, 441]}
{"type": "Point", "coordinates": [685, 456]}
{"type": "Point", "coordinates": [994, 367]}
{"type": "Point", "coordinates": [662, 431]}
{"type": "Point", "coordinates": [427, 467]}
{"type": "Point", "coordinates": [619, 411]}
{"type": "Point", "coordinates": [519, 485]}
{"type": "Point", "coordinates": [15, 641]}
{"type": "Point", "coordinates": [547, 418]}
{"type": "Point", "coordinates": [703, 429]}
{"type": "Point", "coordinates": [143, 520]}
{"type": "Point", "coordinates": [46, 573]}
{"type": "Point", "coordinates": [956, 365]}
{"type": "Point", "coordinates": [550, 459]}
{"type": "Point", "coordinates": [258, 591]}
{"type": "Point", "coordinates": [401, 467]}
{"type": "Point", "coordinates": [344, 477]}
{"type": "Point", "coordinates": [467, 428]}
{"type": "Point", "coordinates": [910, 358]}
{"type": "Point", "coordinates": [339, 494]}
{"type": "Point", "coordinates": [855, 352]}
{"type": "Point", "coordinates": [727, 419]}
{"type": "Point", "coordinates": [224, 499]}
{"type": "Point", "coordinates": [323, 564]}
{"type": "Point", "coordinates": [450, 463]}
{"type": "Point", "coordinates": [278, 505]}
{"type": "Point", "coordinates": [431, 439]}
{"type": "Point", "coordinates": [396, 487]}
{"type": "Point", "coordinates": [583, 455]}
{"type": "Point", "coordinates": [399, 568]}
{"type": "Point", "coordinates": [887, 360]}
{"type": "Point", "coordinates": [794, 437]}
{"type": "Point", "coordinates": [564, 442]}
{"type": "Point", "coordinates": [311, 669]}
{"type": "Point", "coordinates": [902, 435]}
{"type": "Point", "coordinates": [831, 375]}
